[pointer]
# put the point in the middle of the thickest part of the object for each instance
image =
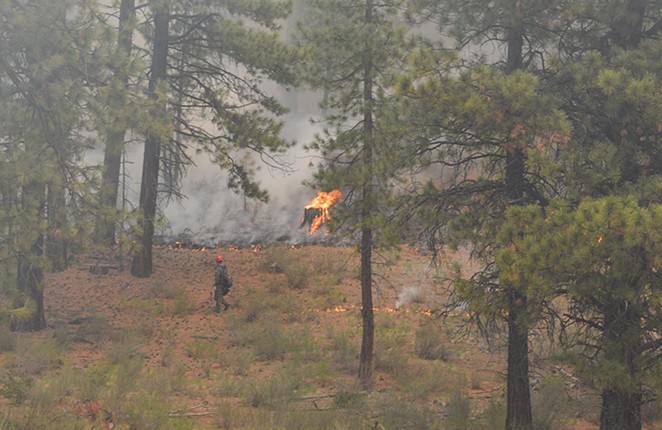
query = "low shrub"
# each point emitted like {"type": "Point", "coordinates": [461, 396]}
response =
{"type": "Point", "coordinates": [458, 410]}
{"type": "Point", "coordinates": [8, 340]}
{"type": "Point", "coordinates": [15, 386]}
{"type": "Point", "coordinates": [549, 402]}
{"type": "Point", "coordinates": [34, 356]}
{"type": "Point", "coordinates": [183, 305]}
{"type": "Point", "coordinates": [345, 351]}
{"type": "Point", "coordinates": [271, 342]}
{"type": "Point", "coordinates": [273, 391]}
{"type": "Point", "coordinates": [401, 413]}
{"type": "Point", "coordinates": [430, 345]}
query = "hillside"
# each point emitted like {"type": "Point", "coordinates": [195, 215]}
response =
{"type": "Point", "coordinates": [129, 353]}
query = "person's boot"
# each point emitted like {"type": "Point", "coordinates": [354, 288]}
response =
{"type": "Point", "coordinates": [217, 309]}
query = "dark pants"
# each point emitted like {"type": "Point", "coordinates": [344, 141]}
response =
{"type": "Point", "coordinates": [220, 300]}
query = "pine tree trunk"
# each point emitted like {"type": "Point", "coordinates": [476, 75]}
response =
{"type": "Point", "coordinates": [621, 410]}
{"type": "Point", "coordinates": [56, 246]}
{"type": "Point", "coordinates": [367, 313]}
{"type": "Point", "coordinates": [621, 405]}
{"type": "Point", "coordinates": [30, 276]}
{"type": "Point", "coordinates": [518, 396]}
{"type": "Point", "coordinates": [142, 262]}
{"type": "Point", "coordinates": [30, 281]}
{"type": "Point", "coordinates": [627, 28]}
{"type": "Point", "coordinates": [518, 400]}
{"type": "Point", "coordinates": [112, 161]}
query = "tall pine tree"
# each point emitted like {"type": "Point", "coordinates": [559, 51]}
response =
{"type": "Point", "coordinates": [49, 66]}
{"type": "Point", "coordinates": [610, 75]}
{"type": "Point", "coordinates": [118, 123]}
{"type": "Point", "coordinates": [490, 130]}
{"type": "Point", "coordinates": [219, 57]}
{"type": "Point", "coordinates": [354, 47]}
{"type": "Point", "coordinates": [609, 278]}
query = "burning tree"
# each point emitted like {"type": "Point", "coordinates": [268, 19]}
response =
{"type": "Point", "coordinates": [354, 48]}
{"type": "Point", "coordinates": [316, 212]}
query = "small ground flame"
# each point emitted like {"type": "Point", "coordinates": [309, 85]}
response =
{"type": "Point", "coordinates": [349, 308]}
{"type": "Point", "coordinates": [316, 212]}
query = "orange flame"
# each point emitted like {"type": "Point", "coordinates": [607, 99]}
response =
{"type": "Point", "coordinates": [322, 202]}
{"type": "Point", "coordinates": [338, 309]}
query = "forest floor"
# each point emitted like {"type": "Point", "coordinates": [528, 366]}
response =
{"type": "Point", "coordinates": [151, 353]}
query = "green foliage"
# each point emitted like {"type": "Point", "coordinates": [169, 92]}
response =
{"type": "Point", "coordinates": [51, 55]}
{"type": "Point", "coordinates": [615, 103]}
{"type": "Point", "coordinates": [421, 380]}
{"type": "Point", "coordinates": [352, 47]}
{"type": "Point", "coordinates": [151, 410]}
{"type": "Point", "coordinates": [89, 383]}
{"type": "Point", "coordinates": [243, 115]}
{"type": "Point", "coordinates": [237, 362]}
{"type": "Point", "coordinates": [297, 271]}
{"type": "Point", "coordinates": [289, 419]}
{"type": "Point", "coordinates": [23, 312]}
{"type": "Point", "coordinates": [603, 255]}
{"type": "Point", "coordinates": [306, 347]}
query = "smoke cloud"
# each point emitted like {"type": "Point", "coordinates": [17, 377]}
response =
{"type": "Point", "coordinates": [212, 213]}
{"type": "Point", "coordinates": [408, 296]}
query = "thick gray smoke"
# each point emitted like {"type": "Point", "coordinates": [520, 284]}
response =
{"type": "Point", "coordinates": [212, 213]}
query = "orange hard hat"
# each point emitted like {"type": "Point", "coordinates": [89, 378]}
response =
{"type": "Point", "coordinates": [219, 259]}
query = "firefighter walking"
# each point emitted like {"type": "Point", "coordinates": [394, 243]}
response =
{"type": "Point", "coordinates": [222, 285]}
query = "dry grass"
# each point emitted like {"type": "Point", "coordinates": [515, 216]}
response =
{"type": "Point", "coordinates": [157, 357]}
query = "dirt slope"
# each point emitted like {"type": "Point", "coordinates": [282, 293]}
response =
{"type": "Point", "coordinates": [97, 308]}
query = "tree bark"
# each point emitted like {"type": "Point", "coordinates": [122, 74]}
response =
{"type": "Point", "coordinates": [142, 262]}
{"type": "Point", "coordinates": [620, 410]}
{"type": "Point", "coordinates": [30, 275]}
{"type": "Point", "coordinates": [628, 27]}
{"type": "Point", "coordinates": [621, 403]}
{"type": "Point", "coordinates": [31, 282]}
{"type": "Point", "coordinates": [367, 313]}
{"type": "Point", "coordinates": [56, 245]}
{"type": "Point", "coordinates": [112, 161]}
{"type": "Point", "coordinates": [518, 397]}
